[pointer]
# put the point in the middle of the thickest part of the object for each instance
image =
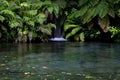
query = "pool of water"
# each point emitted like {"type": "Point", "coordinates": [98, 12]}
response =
{"type": "Point", "coordinates": [60, 61]}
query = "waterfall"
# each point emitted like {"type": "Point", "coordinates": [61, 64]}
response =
{"type": "Point", "coordinates": [58, 31]}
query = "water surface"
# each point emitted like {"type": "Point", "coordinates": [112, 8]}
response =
{"type": "Point", "coordinates": [60, 61]}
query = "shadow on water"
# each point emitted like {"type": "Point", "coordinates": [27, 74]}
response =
{"type": "Point", "coordinates": [60, 61]}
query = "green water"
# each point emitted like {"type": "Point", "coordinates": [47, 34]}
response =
{"type": "Point", "coordinates": [60, 61]}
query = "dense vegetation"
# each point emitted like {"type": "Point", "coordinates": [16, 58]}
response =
{"type": "Point", "coordinates": [81, 20]}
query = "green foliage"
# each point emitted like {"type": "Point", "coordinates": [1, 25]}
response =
{"type": "Point", "coordinates": [74, 30]}
{"type": "Point", "coordinates": [23, 17]}
{"type": "Point", "coordinates": [115, 31]}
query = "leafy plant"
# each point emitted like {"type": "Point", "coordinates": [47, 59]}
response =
{"type": "Point", "coordinates": [115, 31]}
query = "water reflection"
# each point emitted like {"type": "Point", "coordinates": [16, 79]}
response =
{"type": "Point", "coordinates": [63, 61]}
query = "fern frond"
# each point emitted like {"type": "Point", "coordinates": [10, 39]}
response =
{"type": "Point", "coordinates": [2, 18]}
{"type": "Point", "coordinates": [88, 16]}
{"type": "Point", "coordinates": [111, 12]}
{"type": "Point", "coordinates": [104, 9]}
{"type": "Point", "coordinates": [45, 31]}
{"type": "Point", "coordinates": [31, 23]}
{"type": "Point", "coordinates": [40, 18]}
{"type": "Point", "coordinates": [30, 12]}
{"type": "Point", "coordinates": [68, 26]}
{"type": "Point", "coordinates": [26, 19]}
{"type": "Point", "coordinates": [50, 25]}
{"type": "Point", "coordinates": [82, 11]}
{"type": "Point", "coordinates": [25, 5]}
{"type": "Point", "coordinates": [50, 9]}
{"type": "Point", "coordinates": [68, 35]}
{"type": "Point", "coordinates": [82, 2]}
{"type": "Point", "coordinates": [82, 37]}
{"type": "Point", "coordinates": [4, 3]}
{"type": "Point", "coordinates": [56, 10]}
{"type": "Point", "coordinates": [8, 13]}
{"type": "Point", "coordinates": [92, 3]}
{"type": "Point", "coordinates": [75, 30]}
{"type": "Point", "coordinates": [60, 3]}
{"type": "Point", "coordinates": [14, 24]}
{"type": "Point", "coordinates": [37, 5]}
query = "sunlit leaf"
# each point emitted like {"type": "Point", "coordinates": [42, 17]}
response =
{"type": "Point", "coordinates": [68, 26]}
{"type": "Point", "coordinates": [82, 37]}
{"type": "Point", "coordinates": [2, 18]}
{"type": "Point", "coordinates": [75, 30]}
